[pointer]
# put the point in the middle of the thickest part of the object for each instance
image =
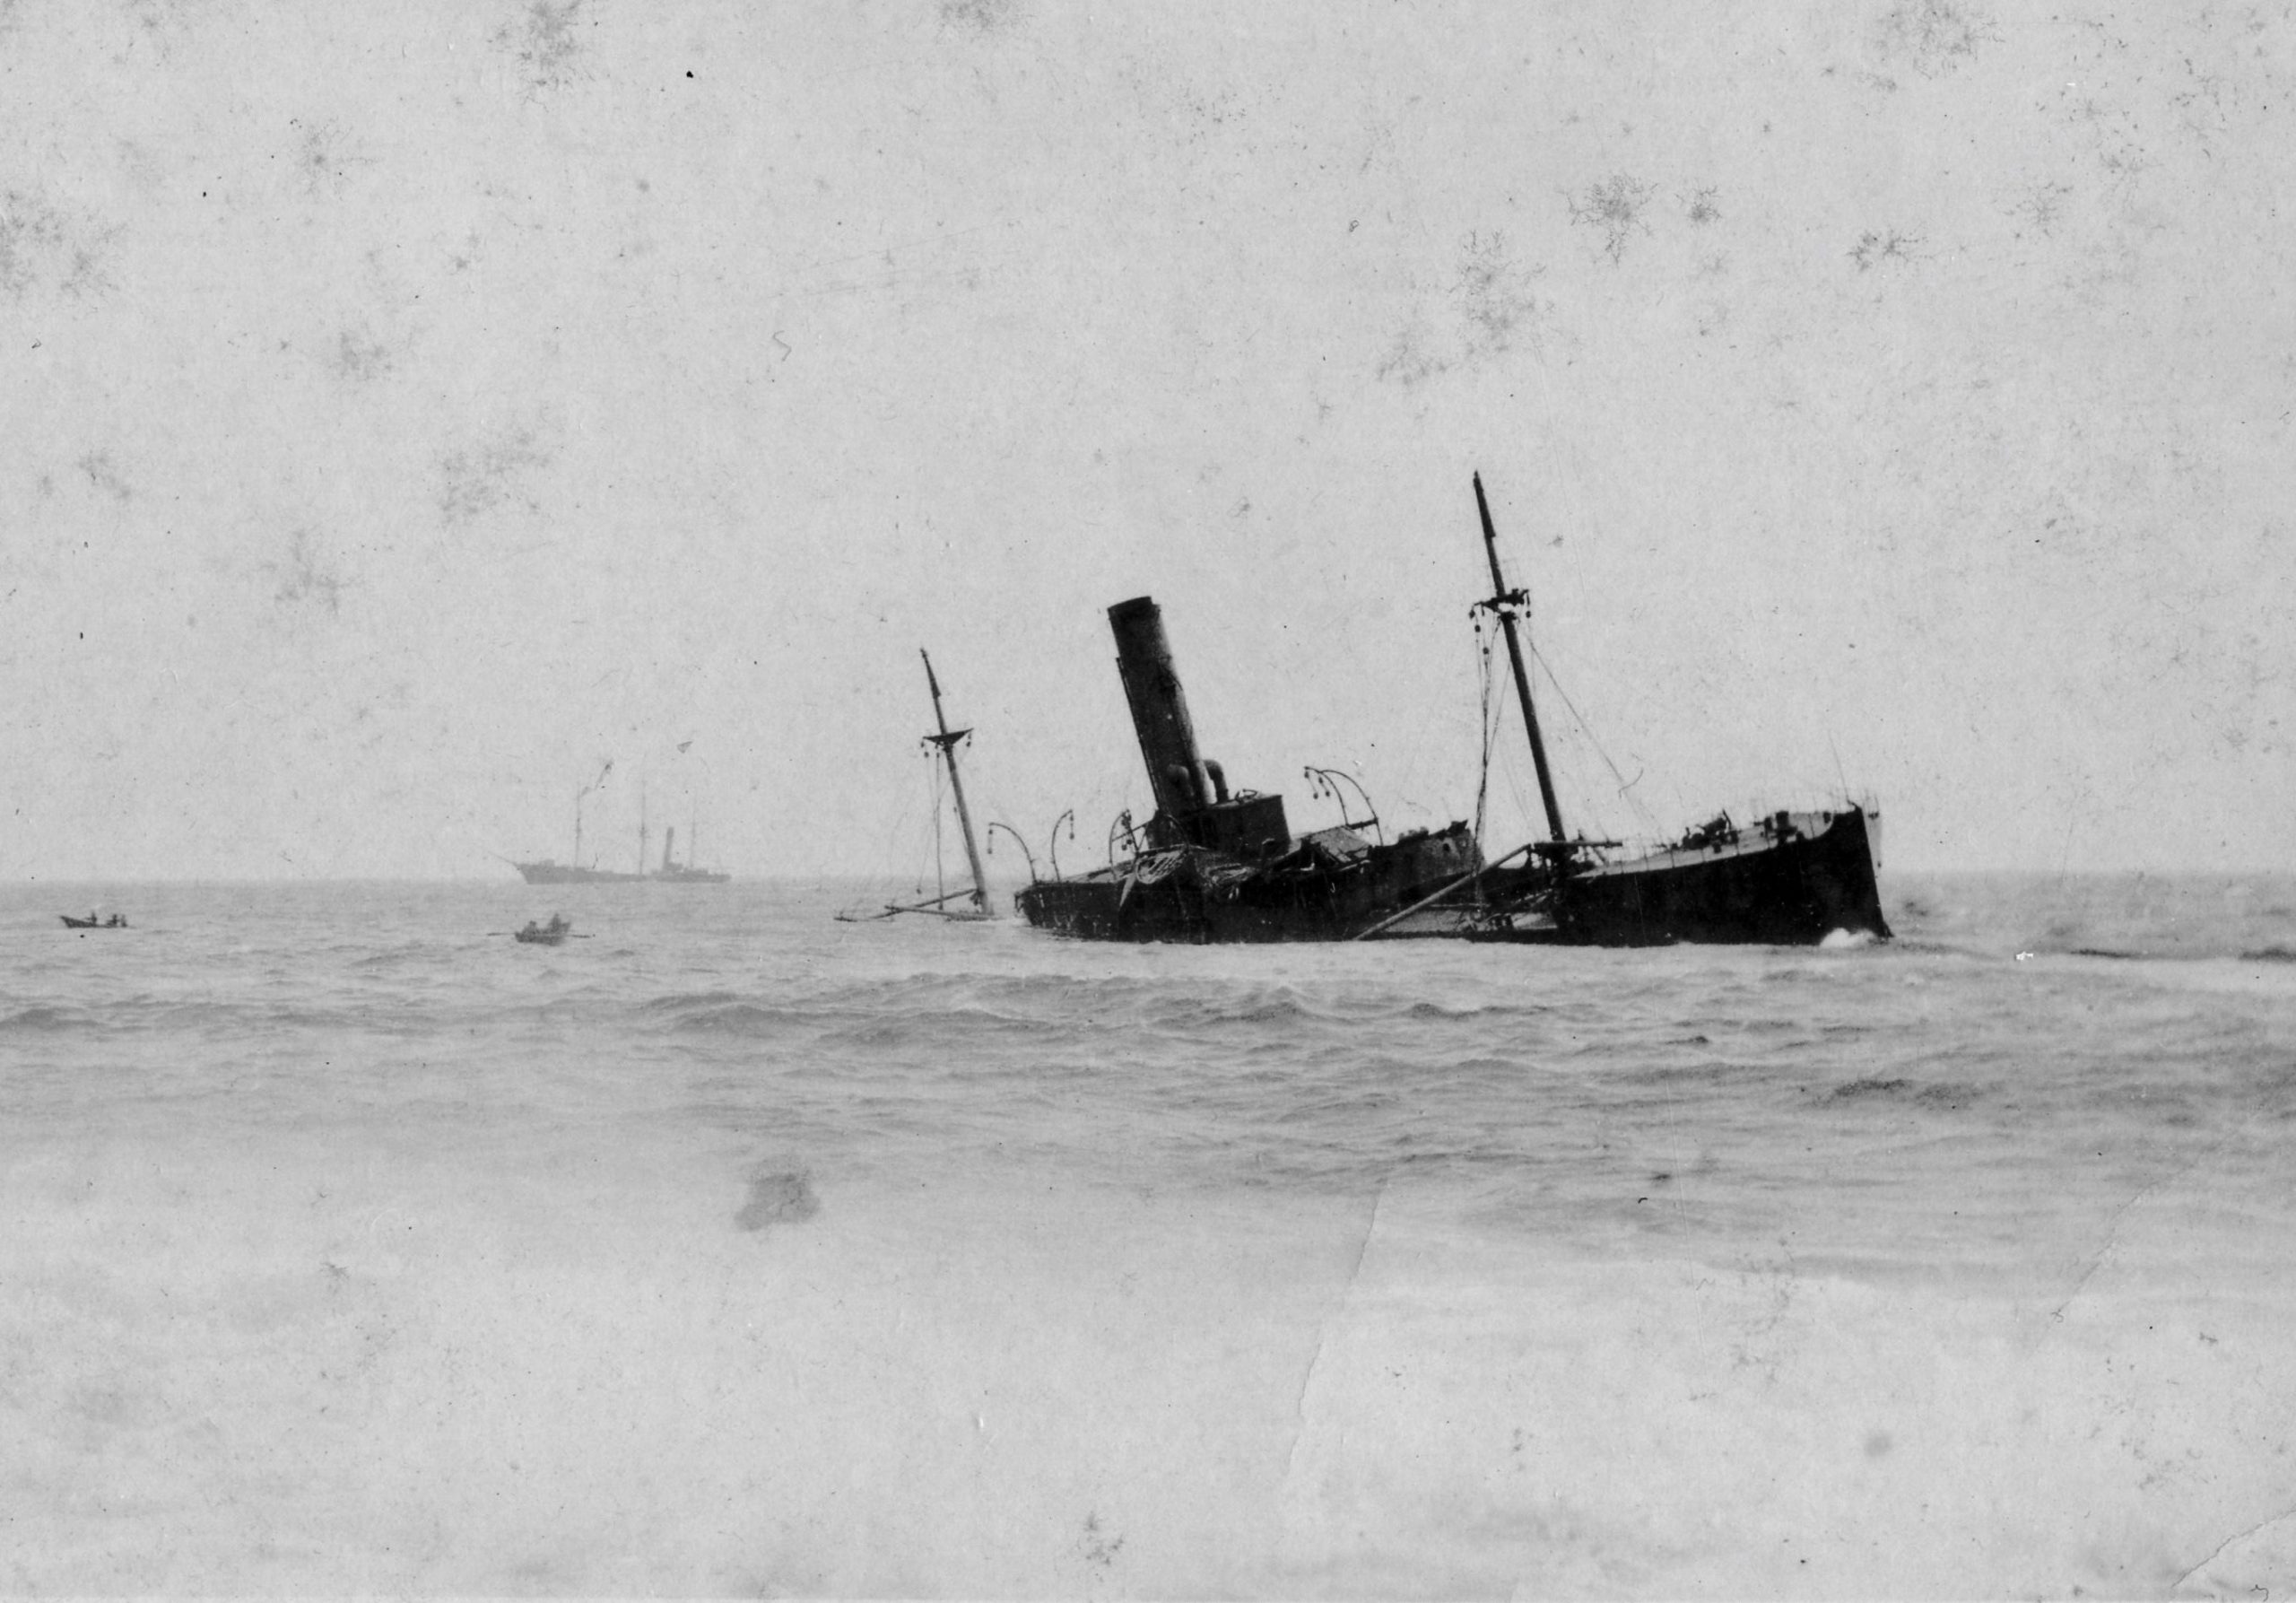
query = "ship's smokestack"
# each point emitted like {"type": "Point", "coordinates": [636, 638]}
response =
{"type": "Point", "coordinates": [669, 839]}
{"type": "Point", "coordinates": [1176, 769]}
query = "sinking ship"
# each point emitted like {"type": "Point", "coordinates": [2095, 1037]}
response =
{"type": "Point", "coordinates": [1217, 865]}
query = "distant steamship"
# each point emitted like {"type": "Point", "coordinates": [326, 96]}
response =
{"type": "Point", "coordinates": [548, 872]}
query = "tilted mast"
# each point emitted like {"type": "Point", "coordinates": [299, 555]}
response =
{"type": "Point", "coordinates": [947, 740]}
{"type": "Point", "coordinates": [1501, 605]}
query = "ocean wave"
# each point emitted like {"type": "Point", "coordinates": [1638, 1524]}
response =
{"type": "Point", "coordinates": [1250, 1005]}
{"type": "Point", "coordinates": [687, 1001]}
{"type": "Point", "coordinates": [732, 1017]}
{"type": "Point", "coordinates": [1910, 946]}
{"type": "Point", "coordinates": [1470, 1012]}
{"type": "Point", "coordinates": [954, 1027]}
{"type": "Point", "coordinates": [45, 1020]}
{"type": "Point", "coordinates": [1934, 1093]}
{"type": "Point", "coordinates": [977, 1006]}
{"type": "Point", "coordinates": [2196, 951]}
{"type": "Point", "coordinates": [409, 952]}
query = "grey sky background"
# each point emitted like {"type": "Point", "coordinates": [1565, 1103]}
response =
{"type": "Point", "coordinates": [409, 408]}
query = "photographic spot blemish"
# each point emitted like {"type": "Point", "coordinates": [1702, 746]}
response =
{"type": "Point", "coordinates": [982, 18]}
{"type": "Point", "coordinates": [1494, 295]}
{"type": "Point", "coordinates": [1613, 208]}
{"type": "Point", "coordinates": [307, 577]}
{"type": "Point", "coordinates": [490, 473]}
{"type": "Point", "coordinates": [1100, 1549]}
{"type": "Point", "coordinates": [104, 475]}
{"type": "Point", "coordinates": [778, 1197]}
{"type": "Point", "coordinates": [545, 43]}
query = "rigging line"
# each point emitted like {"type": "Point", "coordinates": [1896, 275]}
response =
{"type": "Point", "coordinates": [1587, 730]}
{"type": "Point", "coordinates": [1482, 774]}
{"type": "Point", "coordinates": [897, 829]}
{"type": "Point", "coordinates": [940, 883]}
{"type": "Point", "coordinates": [932, 822]}
{"type": "Point", "coordinates": [1482, 778]}
{"type": "Point", "coordinates": [915, 828]}
{"type": "Point", "coordinates": [1508, 770]}
{"type": "Point", "coordinates": [1494, 713]}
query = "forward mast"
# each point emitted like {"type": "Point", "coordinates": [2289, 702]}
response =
{"type": "Point", "coordinates": [948, 740]}
{"type": "Point", "coordinates": [1503, 604]}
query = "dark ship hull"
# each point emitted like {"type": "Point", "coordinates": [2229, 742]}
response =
{"type": "Point", "coordinates": [1793, 880]}
{"type": "Point", "coordinates": [1325, 890]}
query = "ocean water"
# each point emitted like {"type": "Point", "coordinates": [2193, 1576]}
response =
{"type": "Point", "coordinates": [350, 1247]}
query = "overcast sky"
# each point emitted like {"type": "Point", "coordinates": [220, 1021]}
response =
{"type": "Point", "coordinates": [410, 407]}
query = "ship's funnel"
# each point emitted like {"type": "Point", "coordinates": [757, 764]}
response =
{"type": "Point", "coordinates": [1176, 769]}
